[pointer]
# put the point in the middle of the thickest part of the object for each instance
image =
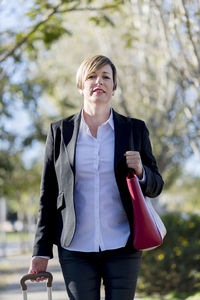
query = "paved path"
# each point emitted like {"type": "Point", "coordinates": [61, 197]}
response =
{"type": "Point", "coordinates": [36, 291]}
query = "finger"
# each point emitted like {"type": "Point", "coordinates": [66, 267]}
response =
{"type": "Point", "coordinates": [134, 166]}
{"type": "Point", "coordinates": [43, 278]}
{"type": "Point", "coordinates": [31, 271]}
{"type": "Point", "coordinates": [134, 163]}
{"type": "Point", "coordinates": [40, 279]}
{"type": "Point", "coordinates": [131, 153]}
{"type": "Point", "coordinates": [133, 159]}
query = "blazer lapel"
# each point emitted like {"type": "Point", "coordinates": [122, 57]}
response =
{"type": "Point", "coordinates": [122, 133]}
{"type": "Point", "coordinates": [70, 134]}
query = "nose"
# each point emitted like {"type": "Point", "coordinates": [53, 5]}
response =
{"type": "Point", "coordinates": [99, 80]}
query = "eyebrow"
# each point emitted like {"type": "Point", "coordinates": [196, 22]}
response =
{"type": "Point", "coordinates": [103, 72]}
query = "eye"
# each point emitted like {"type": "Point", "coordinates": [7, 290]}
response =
{"type": "Point", "coordinates": [106, 77]}
{"type": "Point", "coordinates": [91, 76]}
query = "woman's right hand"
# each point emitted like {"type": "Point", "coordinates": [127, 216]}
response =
{"type": "Point", "coordinates": [38, 264]}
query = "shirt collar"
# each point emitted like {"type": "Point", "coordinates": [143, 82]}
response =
{"type": "Point", "coordinates": [109, 121]}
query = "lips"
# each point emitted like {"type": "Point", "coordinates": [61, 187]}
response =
{"type": "Point", "coordinates": [98, 90]}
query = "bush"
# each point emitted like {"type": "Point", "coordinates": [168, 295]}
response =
{"type": "Point", "coordinates": [175, 266]}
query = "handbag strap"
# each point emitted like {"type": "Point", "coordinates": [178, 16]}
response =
{"type": "Point", "coordinates": [131, 142]}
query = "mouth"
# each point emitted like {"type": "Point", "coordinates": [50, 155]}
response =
{"type": "Point", "coordinates": [98, 91]}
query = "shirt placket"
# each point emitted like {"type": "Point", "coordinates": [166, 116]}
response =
{"type": "Point", "coordinates": [97, 189]}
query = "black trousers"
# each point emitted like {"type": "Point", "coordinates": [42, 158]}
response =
{"type": "Point", "coordinates": [83, 272]}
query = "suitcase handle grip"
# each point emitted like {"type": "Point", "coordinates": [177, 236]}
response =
{"type": "Point", "coordinates": [26, 277]}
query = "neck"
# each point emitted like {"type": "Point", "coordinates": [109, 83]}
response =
{"type": "Point", "coordinates": [96, 115]}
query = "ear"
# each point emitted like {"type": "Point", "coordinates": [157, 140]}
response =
{"type": "Point", "coordinates": [113, 92]}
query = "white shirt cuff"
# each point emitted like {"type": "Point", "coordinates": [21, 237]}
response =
{"type": "Point", "coordinates": [47, 257]}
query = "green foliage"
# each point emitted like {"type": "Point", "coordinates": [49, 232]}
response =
{"type": "Point", "coordinates": [175, 266]}
{"type": "Point", "coordinates": [23, 188]}
{"type": "Point", "coordinates": [102, 20]}
{"type": "Point", "coordinates": [6, 169]}
{"type": "Point", "coordinates": [50, 32]}
{"type": "Point", "coordinates": [185, 190]}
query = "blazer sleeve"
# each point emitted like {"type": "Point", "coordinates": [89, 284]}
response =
{"type": "Point", "coordinates": [46, 231]}
{"type": "Point", "coordinates": [154, 182]}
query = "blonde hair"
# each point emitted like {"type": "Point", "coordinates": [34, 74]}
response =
{"type": "Point", "coordinates": [92, 64]}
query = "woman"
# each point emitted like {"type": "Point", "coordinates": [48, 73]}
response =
{"type": "Point", "coordinates": [85, 206]}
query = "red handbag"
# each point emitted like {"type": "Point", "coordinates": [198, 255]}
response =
{"type": "Point", "coordinates": [148, 228]}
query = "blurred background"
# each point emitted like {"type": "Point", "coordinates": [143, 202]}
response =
{"type": "Point", "coordinates": [155, 46]}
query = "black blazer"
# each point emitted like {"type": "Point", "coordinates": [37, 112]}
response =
{"type": "Point", "coordinates": [57, 216]}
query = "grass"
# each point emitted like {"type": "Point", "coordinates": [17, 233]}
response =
{"type": "Point", "coordinates": [17, 237]}
{"type": "Point", "coordinates": [15, 243]}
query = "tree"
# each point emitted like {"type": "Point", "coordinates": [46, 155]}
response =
{"type": "Point", "coordinates": [22, 196]}
{"type": "Point", "coordinates": [43, 26]}
{"type": "Point", "coordinates": [151, 84]}
{"type": "Point", "coordinates": [48, 22]}
{"type": "Point", "coordinates": [159, 77]}
{"type": "Point", "coordinates": [154, 45]}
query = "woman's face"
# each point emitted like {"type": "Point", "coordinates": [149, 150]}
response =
{"type": "Point", "coordinates": [98, 86]}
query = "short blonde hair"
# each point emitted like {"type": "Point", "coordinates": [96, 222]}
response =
{"type": "Point", "coordinates": [92, 64]}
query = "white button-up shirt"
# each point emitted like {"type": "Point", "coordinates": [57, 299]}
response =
{"type": "Point", "coordinates": [101, 221]}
